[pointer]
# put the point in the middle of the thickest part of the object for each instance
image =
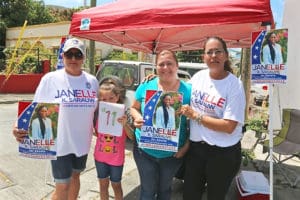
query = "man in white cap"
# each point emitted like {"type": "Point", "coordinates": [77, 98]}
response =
{"type": "Point", "coordinates": [76, 91]}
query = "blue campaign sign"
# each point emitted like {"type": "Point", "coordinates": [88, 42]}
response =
{"type": "Point", "coordinates": [40, 142]}
{"type": "Point", "coordinates": [60, 63]}
{"type": "Point", "coordinates": [268, 56]}
{"type": "Point", "coordinates": [161, 127]}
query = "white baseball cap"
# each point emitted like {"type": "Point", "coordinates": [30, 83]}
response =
{"type": "Point", "coordinates": [74, 43]}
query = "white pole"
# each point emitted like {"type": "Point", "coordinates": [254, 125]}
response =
{"type": "Point", "coordinates": [270, 128]}
{"type": "Point", "coordinates": [271, 87]}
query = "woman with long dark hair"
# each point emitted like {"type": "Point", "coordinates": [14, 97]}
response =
{"type": "Point", "coordinates": [272, 53]}
{"type": "Point", "coordinates": [165, 114]}
{"type": "Point", "coordinates": [42, 125]}
{"type": "Point", "coordinates": [216, 114]}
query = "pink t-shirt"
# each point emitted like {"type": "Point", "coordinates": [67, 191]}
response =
{"type": "Point", "coordinates": [110, 149]}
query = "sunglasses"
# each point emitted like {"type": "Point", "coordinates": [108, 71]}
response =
{"type": "Point", "coordinates": [78, 55]}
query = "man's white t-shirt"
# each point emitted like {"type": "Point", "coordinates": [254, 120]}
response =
{"type": "Point", "coordinates": [77, 96]}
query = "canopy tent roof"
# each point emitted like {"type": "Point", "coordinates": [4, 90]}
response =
{"type": "Point", "coordinates": [150, 26]}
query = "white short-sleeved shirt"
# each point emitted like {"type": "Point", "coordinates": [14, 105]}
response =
{"type": "Point", "coordinates": [77, 96]}
{"type": "Point", "coordinates": [223, 99]}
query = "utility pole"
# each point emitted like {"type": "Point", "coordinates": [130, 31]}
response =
{"type": "Point", "coordinates": [246, 76]}
{"type": "Point", "coordinates": [92, 48]}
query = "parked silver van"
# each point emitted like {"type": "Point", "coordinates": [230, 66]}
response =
{"type": "Point", "coordinates": [191, 68]}
{"type": "Point", "coordinates": [132, 73]}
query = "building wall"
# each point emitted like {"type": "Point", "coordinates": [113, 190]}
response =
{"type": "Point", "coordinates": [50, 35]}
{"type": "Point", "coordinates": [288, 95]}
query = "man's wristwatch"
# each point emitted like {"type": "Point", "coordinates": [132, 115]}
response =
{"type": "Point", "coordinates": [199, 118]}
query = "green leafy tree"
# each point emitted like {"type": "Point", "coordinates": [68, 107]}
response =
{"type": "Point", "coordinates": [2, 41]}
{"type": "Point", "coordinates": [63, 14]}
{"type": "Point", "coordinates": [14, 13]}
{"type": "Point", "coordinates": [2, 34]}
{"type": "Point", "coordinates": [39, 14]}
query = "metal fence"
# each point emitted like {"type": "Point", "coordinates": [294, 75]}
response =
{"type": "Point", "coordinates": [33, 61]}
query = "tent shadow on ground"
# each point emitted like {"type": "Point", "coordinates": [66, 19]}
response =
{"type": "Point", "coordinates": [129, 144]}
{"type": "Point", "coordinates": [279, 180]}
{"type": "Point", "coordinates": [177, 189]}
{"type": "Point", "coordinates": [133, 194]}
{"type": "Point", "coordinates": [281, 187]}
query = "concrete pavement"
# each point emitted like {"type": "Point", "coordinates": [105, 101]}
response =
{"type": "Point", "coordinates": [14, 186]}
{"type": "Point", "coordinates": [13, 98]}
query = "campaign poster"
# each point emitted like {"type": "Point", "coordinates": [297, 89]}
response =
{"type": "Point", "coordinates": [108, 116]}
{"type": "Point", "coordinates": [268, 56]}
{"type": "Point", "coordinates": [162, 121]}
{"type": "Point", "coordinates": [60, 62]}
{"type": "Point", "coordinates": [40, 120]}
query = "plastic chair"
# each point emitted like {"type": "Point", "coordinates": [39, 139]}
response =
{"type": "Point", "coordinates": [287, 142]}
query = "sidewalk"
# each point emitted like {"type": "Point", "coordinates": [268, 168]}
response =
{"type": "Point", "coordinates": [130, 181]}
{"type": "Point", "coordinates": [13, 98]}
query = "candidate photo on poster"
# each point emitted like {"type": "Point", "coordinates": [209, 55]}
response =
{"type": "Point", "coordinates": [43, 124]}
{"type": "Point", "coordinates": [269, 50]}
{"type": "Point", "coordinates": [165, 113]}
{"type": "Point", "coordinates": [274, 47]}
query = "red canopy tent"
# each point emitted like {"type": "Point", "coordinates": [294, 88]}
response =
{"type": "Point", "coordinates": [151, 26]}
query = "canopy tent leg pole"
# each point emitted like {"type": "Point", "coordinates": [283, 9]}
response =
{"type": "Point", "coordinates": [153, 61]}
{"type": "Point", "coordinates": [270, 128]}
{"type": "Point", "coordinates": [271, 139]}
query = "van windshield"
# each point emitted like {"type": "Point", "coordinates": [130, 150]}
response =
{"type": "Point", "coordinates": [192, 68]}
{"type": "Point", "coordinates": [184, 77]}
{"type": "Point", "coordinates": [125, 72]}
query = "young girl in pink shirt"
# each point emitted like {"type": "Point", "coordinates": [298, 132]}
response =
{"type": "Point", "coordinates": [109, 151]}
